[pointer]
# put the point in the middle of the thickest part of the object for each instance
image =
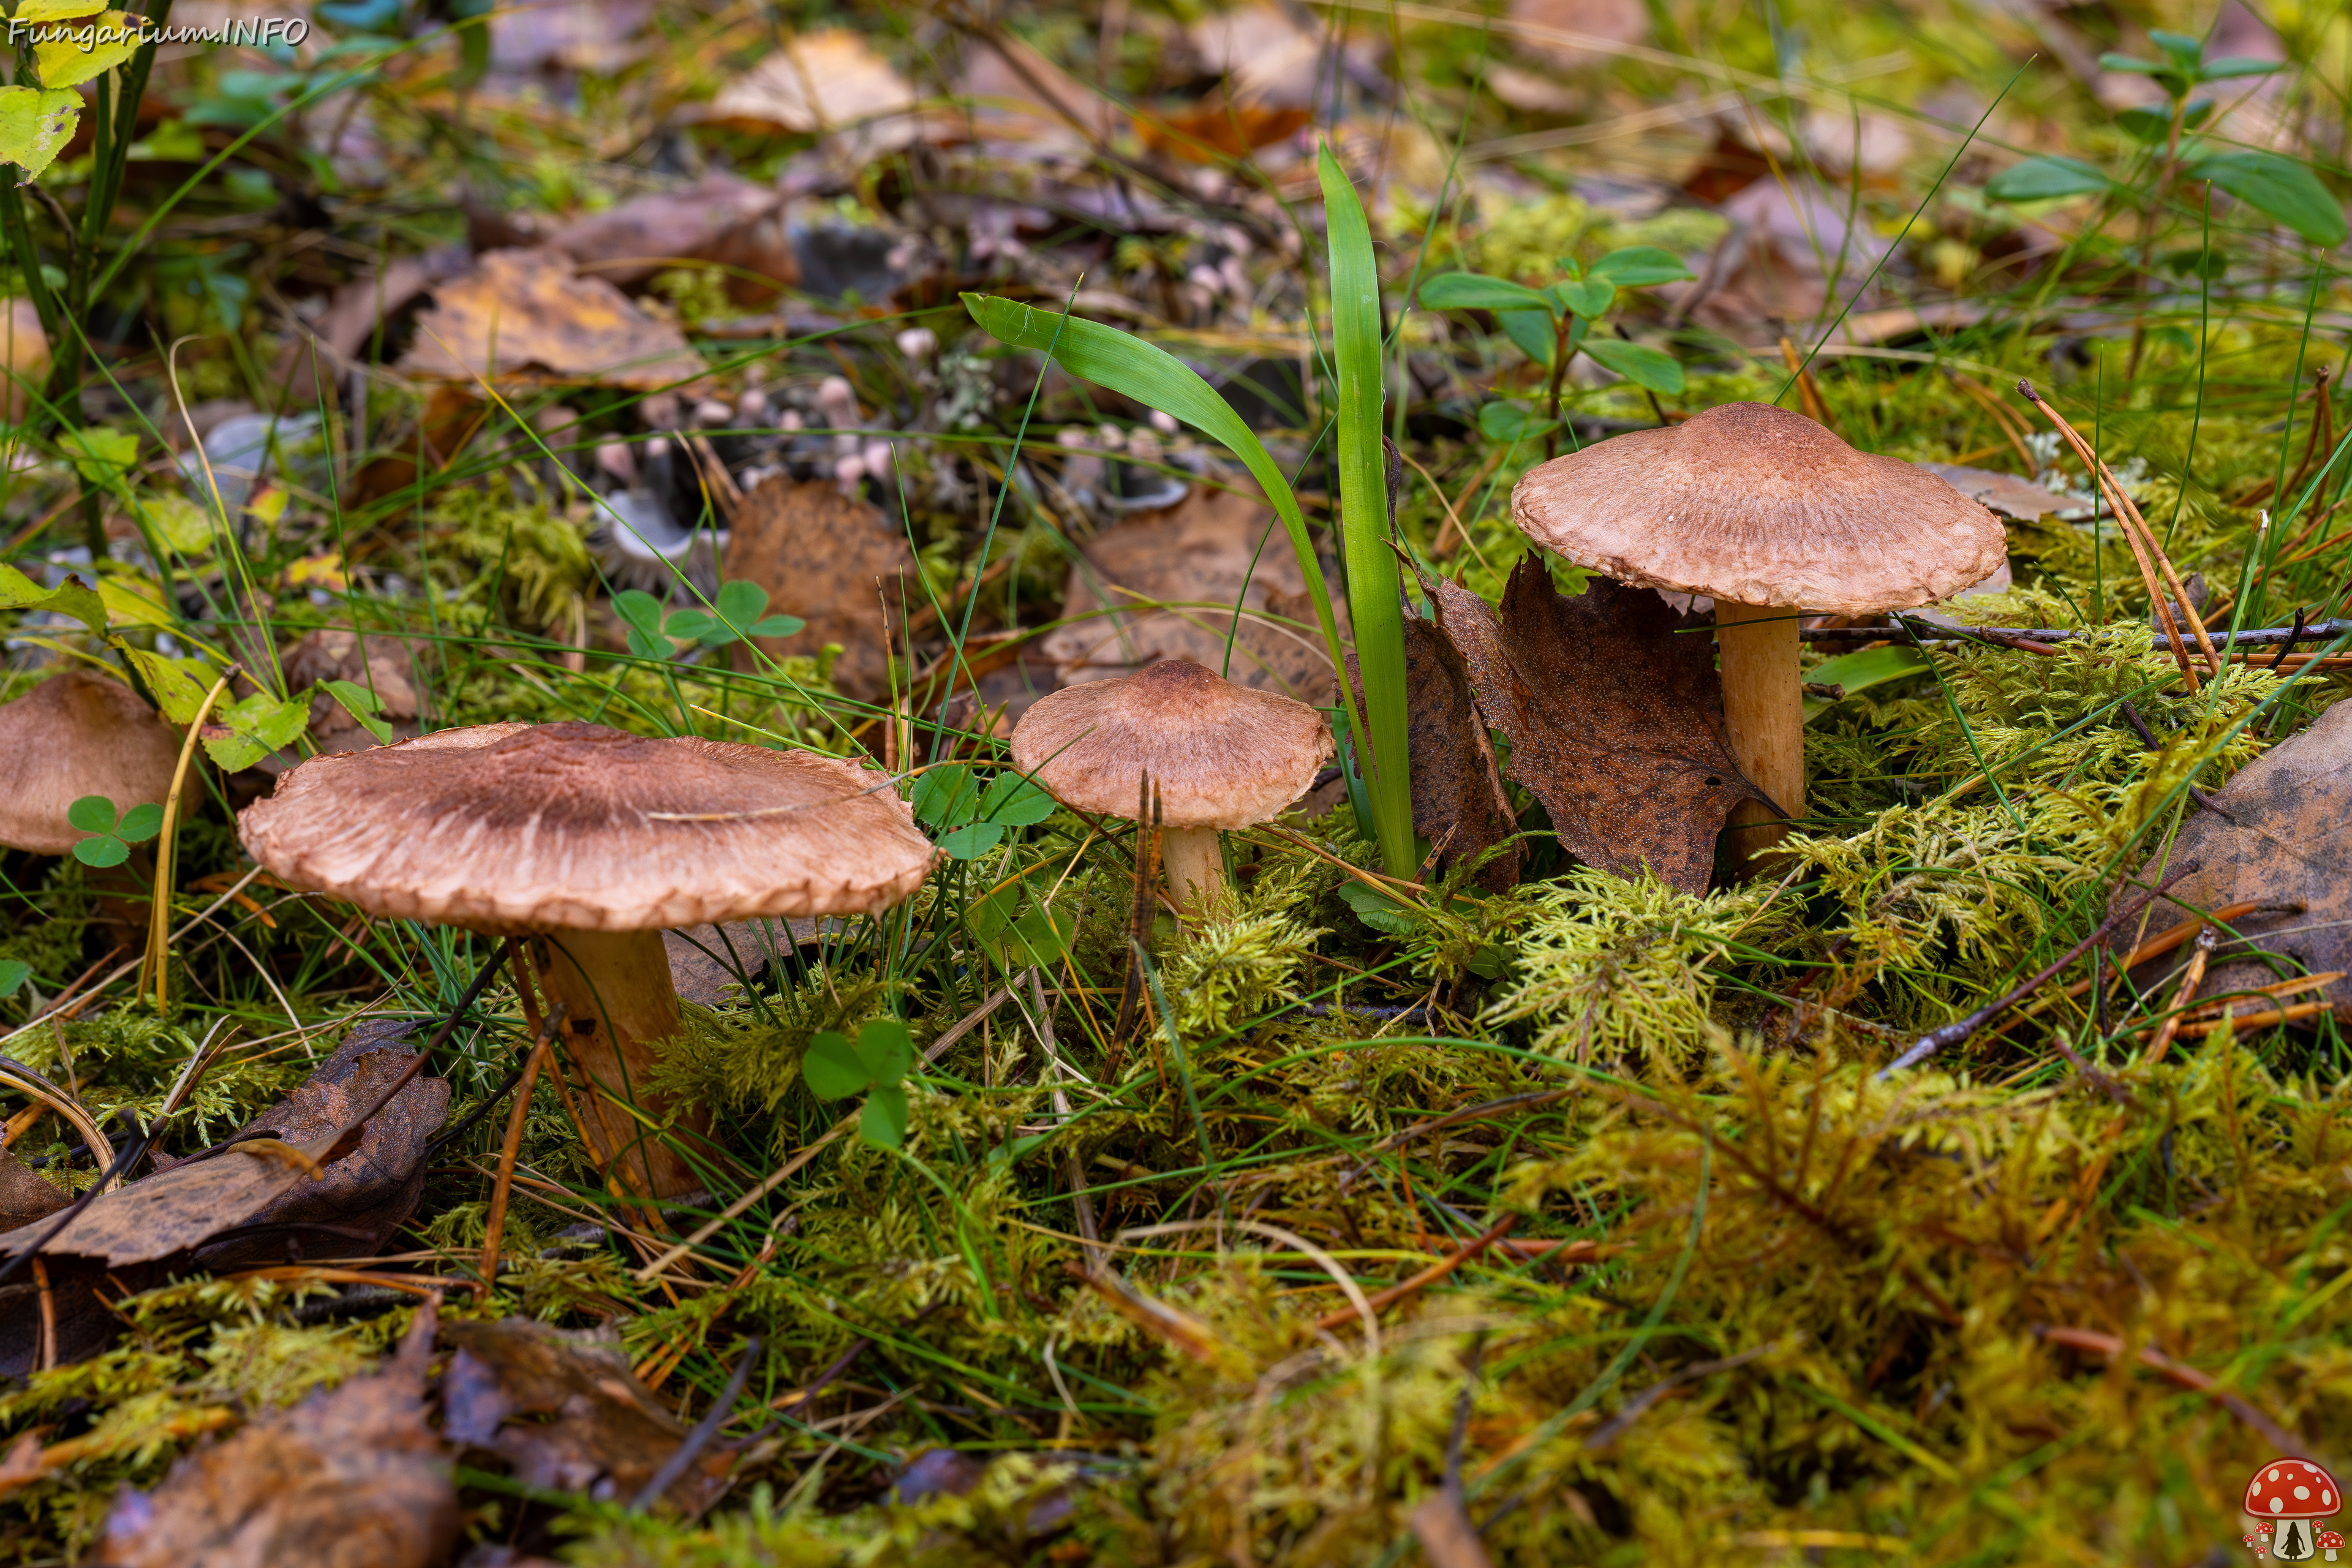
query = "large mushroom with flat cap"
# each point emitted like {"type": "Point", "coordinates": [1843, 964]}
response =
{"type": "Point", "coordinates": [597, 841]}
{"type": "Point", "coordinates": [1764, 512]}
{"type": "Point", "coordinates": [1220, 755]}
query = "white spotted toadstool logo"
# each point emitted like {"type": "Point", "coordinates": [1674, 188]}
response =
{"type": "Point", "coordinates": [2287, 1501]}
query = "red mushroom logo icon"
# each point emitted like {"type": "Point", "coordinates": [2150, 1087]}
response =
{"type": "Point", "coordinates": [2331, 1542]}
{"type": "Point", "coordinates": [2290, 1496]}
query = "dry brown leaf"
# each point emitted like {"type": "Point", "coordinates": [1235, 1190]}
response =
{"type": "Point", "coordinates": [360, 1196]}
{"type": "Point", "coordinates": [565, 1412]}
{"type": "Point", "coordinates": [23, 1195]}
{"type": "Point", "coordinates": [721, 218]}
{"type": "Point", "coordinates": [1615, 722]}
{"type": "Point", "coordinates": [350, 1478]}
{"type": "Point", "coordinates": [1578, 32]}
{"type": "Point", "coordinates": [522, 308]}
{"type": "Point", "coordinates": [329, 653]}
{"type": "Point", "coordinates": [823, 82]}
{"type": "Point", "coordinates": [1458, 802]}
{"type": "Point", "coordinates": [2022, 500]}
{"type": "Point", "coordinates": [2287, 838]}
{"type": "Point", "coordinates": [1197, 556]}
{"type": "Point", "coordinates": [703, 960]}
{"type": "Point", "coordinates": [833, 560]}
{"type": "Point", "coordinates": [1010, 93]}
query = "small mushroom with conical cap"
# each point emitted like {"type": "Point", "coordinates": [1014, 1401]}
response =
{"type": "Point", "coordinates": [1763, 511]}
{"type": "Point", "coordinates": [1221, 756]}
{"type": "Point", "coordinates": [598, 841]}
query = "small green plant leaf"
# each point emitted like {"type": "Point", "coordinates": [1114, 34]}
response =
{"type": "Point", "coordinates": [2183, 47]}
{"type": "Point", "coordinates": [1639, 265]}
{"type": "Point", "coordinates": [2045, 179]}
{"type": "Point", "coordinates": [1042, 936]}
{"type": "Point", "coordinates": [1535, 331]}
{"type": "Point", "coordinates": [74, 597]}
{"type": "Point", "coordinates": [362, 705]}
{"type": "Point", "coordinates": [1015, 802]}
{"type": "Point", "coordinates": [986, 918]}
{"type": "Point", "coordinates": [886, 1050]}
{"type": "Point", "coordinates": [2230, 66]}
{"type": "Point", "coordinates": [2283, 189]}
{"type": "Point", "coordinates": [96, 45]}
{"type": "Point", "coordinates": [1638, 363]}
{"type": "Point", "coordinates": [102, 456]}
{"type": "Point", "coordinates": [102, 851]}
{"type": "Point", "coordinates": [179, 684]}
{"type": "Point", "coordinates": [1476, 291]}
{"type": "Point", "coordinates": [883, 1122]}
{"type": "Point", "coordinates": [14, 973]}
{"type": "Point", "coordinates": [36, 125]}
{"type": "Point", "coordinates": [774, 627]}
{"type": "Point", "coordinates": [141, 823]}
{"type": "Point", "coordinates": [946, 798]}
{"type": "Point", "coordinates": [1514, 422]}
{"type": "Point", "coordinates": [638, 609]}
{"type": "Point", "coordinates": [1589, 299]}
{"type": "Point", "coordinates": [1378, 910]}
{"type": "Point", "coordinates": [257, 725]}
{"type": "Point", "coordinates": [740, 603]}
{"type": "Point", "coordinates": [832, 1069]}
{"type": "Point", "coordinates": [970, 841]}
{"type": "Point", "coordinates": [92, 814]}
{"type": "Point", "coordinates": [2133, 65]}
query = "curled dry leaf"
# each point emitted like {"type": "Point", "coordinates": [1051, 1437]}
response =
{"type": "Point", "coordinates": [835, 563]}
{"type": "Point", "coordinates": [1196, 557]}
{"type": "Point", "coordinates": [1458, 802]}
{"type": "Point", "coordinates": [2283, 837]}
{"type": "Point", "coordinates": [721, 218]}
{"type": "Point", "coordinates": [566, 1413]}
{"type": "Point", "coordinates": [350, 1478]}
{"type": "Point", "coordinates": [1615, 722]}
{"type": "Point", "coordinates": [521, 309]}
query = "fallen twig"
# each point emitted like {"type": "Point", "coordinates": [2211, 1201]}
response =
{"type": "Point", "coordinates": [1333, 1321]}
{"type": "Point", "coordinates": [2280, 1439]}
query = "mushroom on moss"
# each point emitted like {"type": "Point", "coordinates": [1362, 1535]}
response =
{"type": "Point", "coordinates": [1221, 755]}
{"type": "Point", "coordinates": [597, 841]}
{"type": "Point", "coordinates": [1764, 512]}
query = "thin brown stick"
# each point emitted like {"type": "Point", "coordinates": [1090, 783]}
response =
{"type": "Point", "coordinates": [2181, 1376]}
{"type": "Point", "coordinates": [543, 1038]}
{"type": "Point", "coordinates": [2191, 978]}
{"type": "Point", "coordinates": [1808, 391]}
{"type": "Point", "coordinates": [48, 1316]}
{"type": "Point", "coordinates": [1330, 1322]}
{"type": "Point", "coordinates": [2144, 548]}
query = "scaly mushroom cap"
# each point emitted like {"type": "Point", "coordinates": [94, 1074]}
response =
{"type": "Point", "coordinates": [518, 827]}
{"type": "Point", "coordinates": [1223, 755]}
{"type": "Point", "coordinates": [2293, 1488]}
{"type": "Point", "coordinates": [1756, 505]}
{"type": "Point", "coordinates": [72, 735]}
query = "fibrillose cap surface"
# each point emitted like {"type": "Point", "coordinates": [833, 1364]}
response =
{"type": "Point", "coordinates": [1756, 505]}
{"type": "Point", "coordinates": [1223, 755]}
{"type": "Point", "coordinates": [519, 827]}
{"type": "Point", "coordinates": [72, 735]}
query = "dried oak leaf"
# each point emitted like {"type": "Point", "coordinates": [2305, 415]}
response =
{"type": "Point", "coordinates": [1458, 802]}
{"type": "Point", "coordinates": [350, 1478]}
{"type": "Point", "coordinates": [833, 560]}
{"type": "Point", "coordinates": [2286, 840]}
{"type": "Point", "coordinates": [1615, 722]}
{"type": "Point", "coordinates": [525, 308]}
{"type": "Point", "coordinates": [566, 1413]}
{"type": "Point", "coordinates": [1200, 556]}
{"type": "Point", "coordinates": [356, 1201]}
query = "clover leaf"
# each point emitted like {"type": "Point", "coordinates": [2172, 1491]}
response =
{"type": "Point", "coordinates": [833, 1068]}
{"type": "Point", "coordinates": [111, 835]}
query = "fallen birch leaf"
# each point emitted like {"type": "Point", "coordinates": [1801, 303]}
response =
{"type": "Point", "coordinates": [834, 562]}
{"type": "Point", "coordinates": [350, 1478]}
{"type": "Point", "coordinates": [522, 309]}
{"type": "Point", "coordinates": [2283, 835]}
{"type": "Point", "coordinates": [1615, 722]}
{"type": "Point", "coordinates": [1458, 802]}
{"type": "Point", "coordinates": [1194, 557]}
{"type": "Point", "coordinates": [566, 1413]}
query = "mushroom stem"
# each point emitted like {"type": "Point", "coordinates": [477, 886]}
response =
{"type": "Point", "coordinates": [1764, 711]}
{"type": "Point", "coordinates": [1195, 863]}
{"type": "Point", "coordinates": [617, 1000]}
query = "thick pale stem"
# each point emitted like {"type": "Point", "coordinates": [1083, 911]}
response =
{"type": "Point", "coordinates": [617, 1000]}
{"type": "Point", "coordinates": [1764, 710]}
{"type": "Point", "coordinates": [1195, 864]}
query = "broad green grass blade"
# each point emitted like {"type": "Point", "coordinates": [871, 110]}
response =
{"type": "Point", "coordinates": [1375, 597]}
{"type": "Point", "coordinates": [1856, 672]}
{"type": "Point", "coordinates": [1158, 379]}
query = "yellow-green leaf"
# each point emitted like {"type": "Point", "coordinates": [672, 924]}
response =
{"type": "Point", "coordinates": [102, 456]}
{"type": "Point", "coordinates": [34, 126]}
{"type": "Point", "coordinates": [178, 685]}
{"type": "Point", "coordinates": [135, 601]}
{"type": "Point", "coordinates": [57, 10]}
{"type": "Point", "coordinates": [255, 726]}
{"type": "Point", "coordinates": [185, 526]}
{"type": "Point", "coordinates": [19, 592]}
{"type": "Point", "coordinates": [76, 52]}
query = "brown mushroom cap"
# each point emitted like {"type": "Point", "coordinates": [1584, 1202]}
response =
{"type": "Point", "coordinates": [518, 827]}
{"type": "Point", "coordinates": [1223, 755]}
{"type": "Point", "coordinates": [1756, 505]}
{"type": "Point", "coordinates": [72, 735]}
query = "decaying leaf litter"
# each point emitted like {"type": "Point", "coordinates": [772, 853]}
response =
{"type": "Point", "coordinates": [1499, 1159]}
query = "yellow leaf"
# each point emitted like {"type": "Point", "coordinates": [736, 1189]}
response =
{"type": "Point", "coordinates": [185, 526]}
{"type": "Point", "coordinates": [134, 600]}
{"type": "Point", "coordinates": [71, 53]}
{"type": "Point", "coordinates": [323, 571]}
{"type": "Point", "coordinates": [34, 126]}
{"type": "Point", "coordinates": [57, 10]}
